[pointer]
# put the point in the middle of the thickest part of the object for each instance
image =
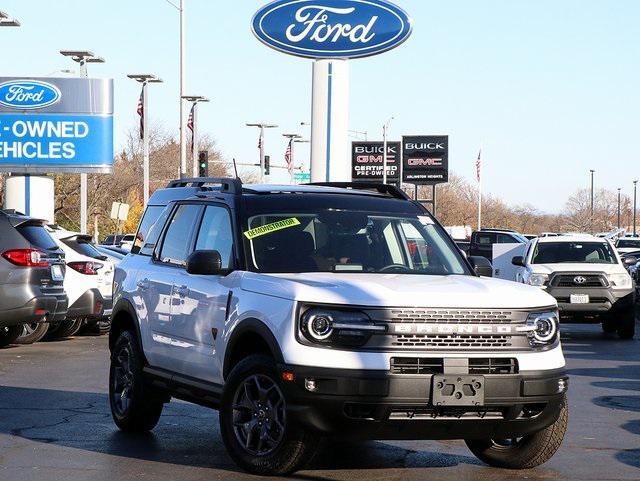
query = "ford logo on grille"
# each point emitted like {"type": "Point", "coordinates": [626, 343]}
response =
{"type": "Point", "coordinates": [332, 28]}
{"type": "Point", "coordinates": [579, 280]}
{"type": "Point", "coordinates": [28, 94]}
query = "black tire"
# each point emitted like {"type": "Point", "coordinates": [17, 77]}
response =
{"type": "Point", "coordinates": [609, 325]}
{"type": "Point", "coordinates": [253, 404]}
{"type": "Point", "coordinates": [526, 452]}
{"type": "Point", "coordinates": [8, 335]}
{"type": "Point", "coordinates": [627, 325]}
{"type": "Point", "coordinates": [32, 333]}
{"type": "Point", "coordinates": [135, 407]}
{"type": "Point", "coordinates": [97, 327]}
{"type": "Point", "coordinates": [63, 329]}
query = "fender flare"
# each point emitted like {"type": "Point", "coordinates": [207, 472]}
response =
{"type": "Point", "coordinates": [252, 326]}
{"type": "Point", "coordinates": [124, 305]}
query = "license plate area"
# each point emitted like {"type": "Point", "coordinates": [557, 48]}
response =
{"type": "Point", "coordinates": [56, 273]}
{"type": "Point", "coordinates": [579, 299]}
{"type": "Point", "coordinates": [457, 390]}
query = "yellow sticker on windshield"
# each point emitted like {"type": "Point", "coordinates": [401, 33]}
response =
{"type": "Point", "coordinates": [269, 228]}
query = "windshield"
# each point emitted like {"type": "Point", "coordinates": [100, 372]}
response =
{"type": "Point", "coordinates": [573, 252]}
{"type": "Point", "coordinates": [349, 241]}
{"type": "Point", "coordinates": [629, 243]}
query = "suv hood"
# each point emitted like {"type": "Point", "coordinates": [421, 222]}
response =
{"type": "Point", "coordinates": [568, 267]}
{"type": "Point", "coordinates": [397, 290]}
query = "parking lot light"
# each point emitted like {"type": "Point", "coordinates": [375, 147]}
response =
{"type": "Point", "coordinates": [195, 100]}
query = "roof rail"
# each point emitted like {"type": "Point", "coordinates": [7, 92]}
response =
{"type": "Point", "coordinates": [492, 229]}
{"type": "Point", "coordinates": [227, 184]}
{"type": "Point", "coordinates": [390, 190]}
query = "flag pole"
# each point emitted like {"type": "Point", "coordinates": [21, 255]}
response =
{"type": "Point", "coordinates": [479, 171]}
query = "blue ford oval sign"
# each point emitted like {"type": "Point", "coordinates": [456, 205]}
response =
{"type": "Point", "coordinates": [332, 28]}
{"type": "Point", "coordinates": [28, 94]}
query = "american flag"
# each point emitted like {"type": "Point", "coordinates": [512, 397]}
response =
{"type": "Point", "coordinates": [479, 165]}
{"type": "Point", "coordinates": [141, 113]}
{"type": "Point", "coordinates": [190, 123]}
{"type": "Point", "coordinates": [287, 156]}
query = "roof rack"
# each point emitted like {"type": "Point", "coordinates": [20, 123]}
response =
{"type": "Point", "coordinates": [227, 184]}
{"type": "Point", "coordinates": [488, 229]}
{"type": "Point", "coordinates": [390, 190]}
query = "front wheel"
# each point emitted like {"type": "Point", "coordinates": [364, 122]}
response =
{"type": "Point", "coordinates": [627, 325]}
{"type": "Point", "coordinates": [525, 452]}
{"type": "Point", "coordinates": [32, 332]}
{"type": "Point", "coordinates": [135, 407]}
{"type": "Point", "coordinates": [253, 421]}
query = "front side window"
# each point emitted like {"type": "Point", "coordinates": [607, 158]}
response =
{"type": "Point", "coordinates": [573, 252]}
{"type": "Point", "coordinates": [216, 234]}
{"type": "Point", "coordinates": [150, 217]}
{"type": "Point", "coordinates": [176, 246]}
{"type": "Point", "coordinates": [349, 241]}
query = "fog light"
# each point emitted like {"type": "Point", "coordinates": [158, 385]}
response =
{"type": "Point", "coordinates": [310, 385]}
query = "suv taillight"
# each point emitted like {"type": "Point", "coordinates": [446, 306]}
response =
{"type": "Point", "coordinates": [86, 268]}
{"type": "Point", "coordinates": [26, 258]}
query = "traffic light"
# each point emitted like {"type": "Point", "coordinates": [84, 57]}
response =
{"type": "Point", "coordinates": [267, 165]}
{"type": "Point", "coordinates": [203, 164]}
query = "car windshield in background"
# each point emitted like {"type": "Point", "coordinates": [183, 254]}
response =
{"type": "Point", "coordinates": [38, 236]}
{"type": "Point", "coordinates": [573, 252]}
{"type": "Point", "coordinates": [628, 244]}
{"type": "Point", "coordinates": [349, 241]}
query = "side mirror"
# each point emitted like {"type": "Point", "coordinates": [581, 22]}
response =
{"type": "Point", "coordinates": [205, 263]}
{"type": "Point", "coordinates": [518, 261]}
{"type": "Point", "coordinates": [481, 266]}
{"type": "Point", "coordinates": [630, 261]}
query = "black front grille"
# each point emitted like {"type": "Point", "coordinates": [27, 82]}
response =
{"type": "Point", "coordinates": [579, 280]}
{"type": "Point", "coordinates": [592, 300]}
{"type": "Point", "coordinates": [430, 366]}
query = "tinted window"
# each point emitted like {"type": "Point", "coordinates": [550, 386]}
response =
{"type": "Point", "coordinates": [175, 247]}
{"type": "Point", "coordinates": [507, 239]}
{"type": "Point", "coordinates": [38, 236]}
{"type": "Point", "coordinates": [485, 239]}
{"type": "Point", "coordinates": [629, 243]}
{"type": "Point", "coordinates": [216, 234]}
{"type": "Point", "coordinates": [83, 247]}
{"type": "Point", "coordinates": [150, 217]}
{"type": "Point", "coordinates": [573, 252]}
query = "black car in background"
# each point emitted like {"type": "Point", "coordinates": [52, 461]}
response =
{"type": "Point", "coordinates": [482, 241]}
{"type": "Point", "coordinates": [32, 272]}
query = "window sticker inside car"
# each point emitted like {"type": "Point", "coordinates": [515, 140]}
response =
{"type": "Point", "coordinates": [269, 228]}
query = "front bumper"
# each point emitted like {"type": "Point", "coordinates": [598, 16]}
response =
{"type": "Point", "coordinates": [48, 308]}
{"type": "Point", "coordinates": [380, 405]}
{"type": "Point", "coordinates": [602, 299]}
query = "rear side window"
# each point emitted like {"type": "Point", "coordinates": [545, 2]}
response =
{"type": "Point", "coordinates": [37, 236]}
{"type": "Point", "coordinates": [176, 246]}
{"type": "Point", "coordinates": [150, 217]}
{"type": "Point", "coordinates": [485, 239]}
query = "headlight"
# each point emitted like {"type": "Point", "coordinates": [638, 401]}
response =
{"type": "Point", "coordinates": [332, 326]}
{"type": "Point", "coordinates": [622, 281]}
{"type": "Point", "coordinates": [538, 280]}
{"type": "Point", "coordinates": [542, 328]}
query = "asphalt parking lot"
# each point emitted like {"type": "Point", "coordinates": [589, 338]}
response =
{"type": "Point", "coordinates": [55, 425]}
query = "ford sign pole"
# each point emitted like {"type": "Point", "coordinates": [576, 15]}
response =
{"type": "Point", "coordinates": [331, 32]}
{"type": "Point", "coordinates": [145, 80]}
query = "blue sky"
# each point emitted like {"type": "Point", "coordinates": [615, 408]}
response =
{"type": "Point", "coordinates": [549, 88]}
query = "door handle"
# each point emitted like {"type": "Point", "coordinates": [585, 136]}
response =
{"type": "Point", "coordinates": [182, 291]}
{"type": "Point", "coordinates": [143, 285]}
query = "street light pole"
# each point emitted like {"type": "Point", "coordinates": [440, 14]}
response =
{"type": "Point", "coordinates": [385, 132]}
{"type": "Point", "coordinates": [635, 192]}
{"type": "Point", "coordinates": [83, 57]}
{"type": "Point", "coordinates": [619, 202]}
{"type": "Point", "coordinates": [183, 81]}
{"type": "Point", "coordinates": [262, 127]}
{"type": "Point", "coordinates": [592, 201]}
{"type": "Point", "coordinates": [195, 100]}
{"type": "Point", "coordinates": [145, 80]}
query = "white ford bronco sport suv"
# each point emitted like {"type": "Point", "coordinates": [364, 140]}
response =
{"type": "Point", "coordinates": [301, 312]}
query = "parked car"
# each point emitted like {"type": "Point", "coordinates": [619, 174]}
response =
{"type": "Point", "coordinates": [463, 245]}
{"type": "Point", "coordinates": [127, 242]}
{"type": "Point", "coordinates": [32, 271]}
{"type": "Point", "coordinates": [482, 241]}
{"type": "Point", "coordinates": [329, 310]}
{"type": "Point", "coordinates": [586, 276]}
{"type": "Point", "coordinates": [625, 245]}
{"type": "Point", "coordinates": [530, 236]}
{"type": "Point", "coordinates": [89, 283]}
{"type": "Point", "coordinates": [115, 255]}
{"type": "Point", "coordinates": [121, 241]}
{"type": "Point", "coordinates": [112, 240]}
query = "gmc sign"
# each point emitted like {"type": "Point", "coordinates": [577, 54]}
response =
{"type": "Point", "coordinates": [367, 160]}
{"type": "Point", "coordinates": [425, 159]}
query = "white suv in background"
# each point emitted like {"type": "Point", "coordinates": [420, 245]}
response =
{"type": "Point", "coordinates": [586, 276]}
{"type": "Point", "coordinates": [88, 282]}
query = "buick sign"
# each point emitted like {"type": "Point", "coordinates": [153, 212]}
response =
{"type": "Point", "coordinates": [332, 28]}
{"type": "Point", "coordinates": [28, 94]}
